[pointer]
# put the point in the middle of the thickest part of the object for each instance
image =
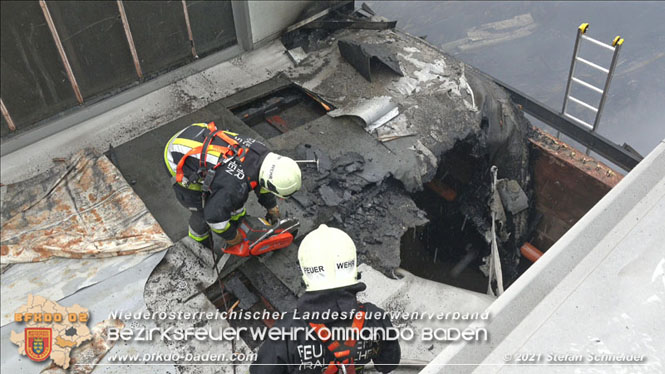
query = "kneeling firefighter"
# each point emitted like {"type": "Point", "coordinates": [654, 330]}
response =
{"type": "Point", "coordinates": [215, 170]}
{"type": "Point", "coordinates": [327, 259]}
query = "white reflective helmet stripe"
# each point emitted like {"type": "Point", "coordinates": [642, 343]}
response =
{"type": "Point", "coordinates": [172, 165]}
{"type": "Point", "coordinates": [327, 259]}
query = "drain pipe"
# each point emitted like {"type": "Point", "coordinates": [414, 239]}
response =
{"type": "Point", "coordinates": [530, 252]}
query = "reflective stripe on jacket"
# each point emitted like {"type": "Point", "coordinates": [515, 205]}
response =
{"type": "Point", "coordinates": [230, 187]}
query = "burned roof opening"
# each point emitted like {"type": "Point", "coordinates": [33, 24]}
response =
{"type": "Point", "coordinates": [279, 112]}
{"type": "Point", "coordinates": [453, 247]}
{"type": "Point", "coordinates": [450, 248]}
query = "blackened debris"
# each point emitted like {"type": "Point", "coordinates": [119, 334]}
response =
{"type": "Point", "coordinates": [329, 196]}
{"type": "Point", "coordinates": [348, 163]}
{"type": "Point", "coordinates": [364, 57]}
{"type": "Point", "coordinates": [239, 290]}
{"type": "Point", "coordinates": [268, 285]}
{"type": "Point", "coordinates": [302, 198]}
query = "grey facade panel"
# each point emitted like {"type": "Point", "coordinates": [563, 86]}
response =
{"type": "Point", "coordinates": [4, 127]}
{"type": "Point", "coordinates": [33, 81]}
{"type": "Point", "coordinates": [160, 34]}
{"type": "Point", "coordinates": [212, 25]}
{"type": "Point", "coordinates": [94, 40]}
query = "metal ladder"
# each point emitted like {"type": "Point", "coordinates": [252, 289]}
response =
{"type": "Point", "coordinates": [615, 47]}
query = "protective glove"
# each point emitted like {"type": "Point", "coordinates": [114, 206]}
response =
{"type": "Point", "coordinates": [238, 246]}
{"type": "Point", "coordinates": [273, 215]}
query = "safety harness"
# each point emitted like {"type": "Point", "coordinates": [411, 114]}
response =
{"type": "Point", "coordinates": [344, 352]}
{"type": "Point", "coordinates": [226, 154]}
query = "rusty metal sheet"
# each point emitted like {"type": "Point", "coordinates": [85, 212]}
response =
{"type": "Point", "coordinates": [575, 158]}
{"type": "Point", "coordinates": [82, 208]}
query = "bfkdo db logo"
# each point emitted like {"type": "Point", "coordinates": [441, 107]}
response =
{"type": "Point", "coordinates": [50, 330]}
{"type": "Point", "coordinates": [38, 343]}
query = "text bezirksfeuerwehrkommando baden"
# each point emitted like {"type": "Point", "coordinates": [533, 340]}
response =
{"type": "Point", "coordinates": [225, 332]}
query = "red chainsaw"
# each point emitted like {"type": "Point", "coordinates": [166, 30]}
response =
{"type": "Point", "coordinates": [260, 237]}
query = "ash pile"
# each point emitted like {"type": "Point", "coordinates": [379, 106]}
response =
{"type": "Point", "coordinates": [410, 136]}
{"type": "Point", "coordinates": [373, 211]}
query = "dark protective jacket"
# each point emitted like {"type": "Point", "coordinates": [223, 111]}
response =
{"type": "Point", "coordinates": [232, 181]}
{"type": "Point", "coordinates": [312, 356]}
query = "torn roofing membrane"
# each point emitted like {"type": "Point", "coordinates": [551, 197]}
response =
{"type": "Point", "coordinates": [374, 112]}
{"type": "Point", "coordinates": [82, 209]}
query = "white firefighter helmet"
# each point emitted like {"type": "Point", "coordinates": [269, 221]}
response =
{"type": "Point", "coordinates": [327, 259]}
{"type": "Point", "coordinates": [280, 175]}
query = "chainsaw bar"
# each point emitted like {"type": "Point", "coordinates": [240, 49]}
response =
{"type": "Point", "coordinates": [289, 223]}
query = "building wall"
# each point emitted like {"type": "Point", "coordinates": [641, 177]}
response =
{"type": "Point", "coordinates": [34, 84]}
{"type": "Point", "coordinates": [37, 89]}
{"type": "Point", "coordinates": [269, 18]}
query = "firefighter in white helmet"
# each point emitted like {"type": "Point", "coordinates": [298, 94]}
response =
{"type": "Point", "coordinates": [329, 268]}
{"type": "Point", "coordinates": [214, 172]}
{"type": "Point", "coordinates": [327, 259]}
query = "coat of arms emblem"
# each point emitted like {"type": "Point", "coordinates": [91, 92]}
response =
{"type": "Point", "coordinates": [38, 343]}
